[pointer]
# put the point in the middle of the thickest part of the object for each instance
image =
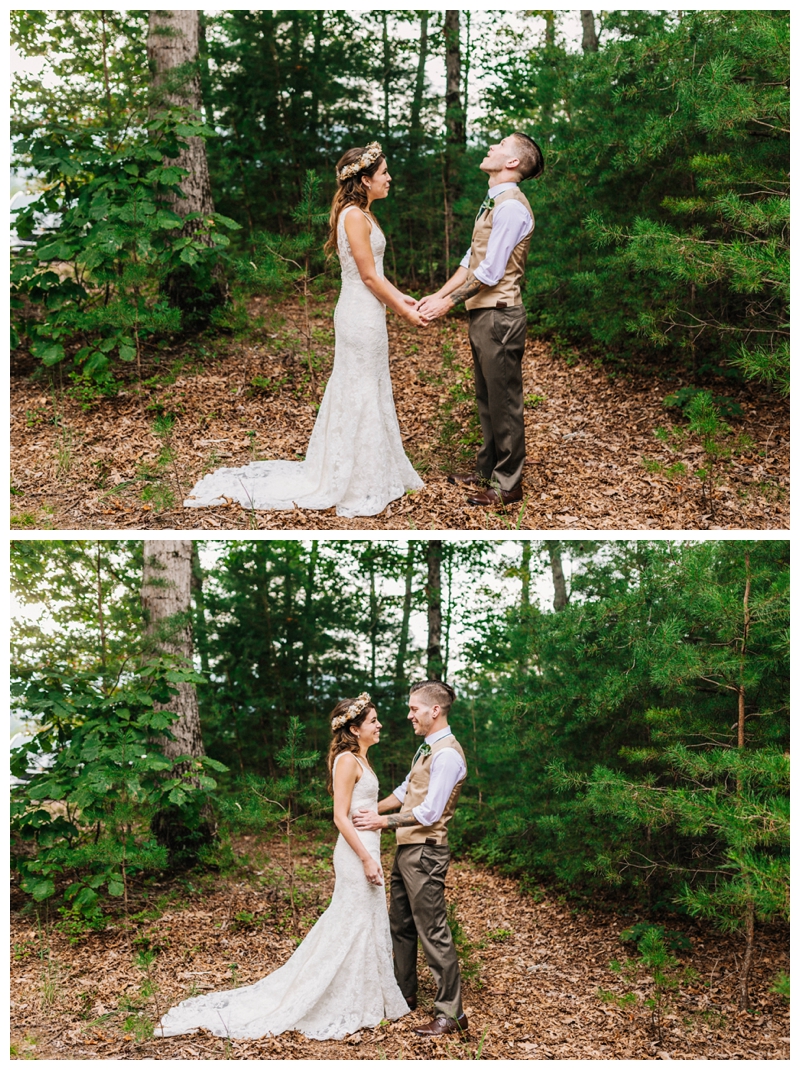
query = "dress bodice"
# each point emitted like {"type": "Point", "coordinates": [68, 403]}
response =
{"type": "Point", "coordinates": [376, 240]}
{"type": "Point", "coordinates": [365, 790]}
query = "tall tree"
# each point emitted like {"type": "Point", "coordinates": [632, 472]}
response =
{"type": "Point", "coordinates": [173, 53]}
{"type": "Point", "coordinates": [433, 595]}
{"type": "Point", "coordinates": [455, 138]}
{"type": "Point", "coordinates": [589, 39]}
{"type": "Point", "coordinates": [419, 82]}
{"type": "Point", "coordinates": [560, 598]}
{"type": "Point", "coordinates": [166, 601]}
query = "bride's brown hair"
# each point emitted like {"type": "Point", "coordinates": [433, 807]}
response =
{"type": "Point", "coordinates": [349, 191]}
{"type": "Point", "coordinates": [343, 738]}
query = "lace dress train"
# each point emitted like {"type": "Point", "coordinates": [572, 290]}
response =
{"type": "Point", "coordinates": [355, 458]}
{"type": "Point", "coordinates": [339, 980]}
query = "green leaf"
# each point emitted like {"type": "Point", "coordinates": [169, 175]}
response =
{"type": "Point", "coordinates": [40, 889]}
{"type": "Point", "coordinates": [115, 887]}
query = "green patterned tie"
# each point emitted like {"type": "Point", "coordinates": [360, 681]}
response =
{"type": "Point", "coordinates": [488, 204]}
{"type": "Point", "coordinates": [423, 748]}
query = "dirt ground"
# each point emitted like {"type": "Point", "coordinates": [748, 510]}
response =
{"type": "Point", "coordinates": [532, 967]}
{"type": "Point", "coordinates": [110, 464]}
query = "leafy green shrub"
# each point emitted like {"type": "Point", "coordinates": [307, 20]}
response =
{"type": "Point", "coordinates": [93, 291]}
{"type": "Point", "coordinates": [81, 825]}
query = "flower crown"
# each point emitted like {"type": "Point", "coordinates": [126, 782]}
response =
{"type": "Point", "coordinates": [353, 710]}
{"type": "Point", "coordinates": [367, 157]}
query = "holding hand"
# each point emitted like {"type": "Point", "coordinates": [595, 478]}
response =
{"type": "Point", "coordinates": [413, 316]}
{"type": "Point", "coordinates": [434, 306]}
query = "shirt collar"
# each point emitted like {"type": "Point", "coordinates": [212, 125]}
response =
{"type": "Point", "coordinates": [495, 191]}
{"type": "Point", "coordinates": [436, 736]}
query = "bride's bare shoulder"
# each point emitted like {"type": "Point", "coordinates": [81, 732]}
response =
{"type": "Point", "coordinates": [349, 764]}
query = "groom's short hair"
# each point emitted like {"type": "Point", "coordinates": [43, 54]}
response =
{"type": "Point", "coordinates": [435, 693]}
{"type": "Point", "coordinates": [531, 161]}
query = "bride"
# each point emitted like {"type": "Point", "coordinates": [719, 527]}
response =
{"type": "Point", "coordinates": [355, 458]}
{"type": "Point", "coordinates": [341, 978]}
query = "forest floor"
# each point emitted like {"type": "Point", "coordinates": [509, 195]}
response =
{"type": "Point", "coordinates": [532, 968]}
{"type": "Point", "coordinates": [129, 461]}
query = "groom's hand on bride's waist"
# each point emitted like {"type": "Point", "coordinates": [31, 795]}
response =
{"type": "Point", "coordinates": [369, 821]}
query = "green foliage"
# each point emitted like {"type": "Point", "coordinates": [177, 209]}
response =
{"type": "Point", "coordinates": [93, 290]}
{"type": "Point", "coordinates": [654, 968]}
{"type": "Point", "coordinates": [662, 217]}
{"type": "Point", "coordinates": [716, 439]}
{"type": "Point", "coordinates": [85, 816]}
{"type": "Point", "coordinates": [781, 985]}
{"type": "Point", "coordinates": [468, 961]}
{"type": "Point", "coordinates": [673, 940]}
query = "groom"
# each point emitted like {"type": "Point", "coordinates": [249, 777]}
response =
{"type": "Point", "coordinates": [488, 281]}
{"type": "Point", "coordinates": [427, 799]}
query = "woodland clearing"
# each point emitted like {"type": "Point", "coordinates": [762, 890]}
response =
{"type": "Point", "coordinates": [128, 461]}
{"type": "Point", "coordinates": [532, 964]}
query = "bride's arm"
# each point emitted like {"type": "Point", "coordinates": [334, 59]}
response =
{"type": "Point", "coordinates": [344, 780]}
{"type": "Point", "coordinates": [357, 229]}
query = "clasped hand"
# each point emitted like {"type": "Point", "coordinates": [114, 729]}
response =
{"type": "Point", "coordinates": [427, 310]}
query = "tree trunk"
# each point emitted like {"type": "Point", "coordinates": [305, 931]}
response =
{"type": "Point", "coordinates": [166, 593]}
{"type": "Point", "coordinates": [387, 73]}
{"type": "Point", "coordinates": [201, 628]}
{"type": "Point", "coordinates": [454, 123]}
{"type": "Point", "coordinates": [467, 64]}
{"type": "Point", "coordinates": [561, 598]}
{"type": "Point", "coordinates": [448, 619]}
{"type": "Point", "coordinates": [373, 620]}
{"type": "Point", "coordinates": [749, 927]}
{"type": "Point", "coordinates": [589, 42]}
{"type": "Point", "coordinates": [419, 84]}
{"type": "Point", "coordinates": [172, 50]}
{"type": "Point", "coordinates": [402, 645]}
{"type": "Point", "coordinates": [166, 600]}
{"type": "Point", "coordinates": [433, 592]}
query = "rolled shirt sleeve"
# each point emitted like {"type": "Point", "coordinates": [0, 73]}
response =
{"type": "Point", "coordinates": [511, 223]}
{"type": "Point", "coordinates": [447, 769]}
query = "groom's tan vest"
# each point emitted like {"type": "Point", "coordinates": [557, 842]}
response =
{"type": "Point", "coordinates": [418, 782]}
{"type": "Point", "coordinates": [507, 291]}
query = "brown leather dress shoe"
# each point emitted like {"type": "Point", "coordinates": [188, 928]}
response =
{"type": "Point", "coordinates": [492, 497]}
{"type": "Point", "coordinates": [440, 1026]}
{"type": "Point", "coordinates": [466, 479]}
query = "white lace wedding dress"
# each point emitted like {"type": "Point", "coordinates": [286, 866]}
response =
{"type": "Point", "coordinates": [339, 980]}
{"type": "Point", "coordinates": [355, 458]}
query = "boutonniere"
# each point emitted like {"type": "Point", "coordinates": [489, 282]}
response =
{"type": "Point", "coordinates": [425, 750]}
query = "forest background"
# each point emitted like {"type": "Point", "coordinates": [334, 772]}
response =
{"type": "Point", "coordinates": [185, 158]}
{"type": "Point", "coordinates": [627, 744]}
